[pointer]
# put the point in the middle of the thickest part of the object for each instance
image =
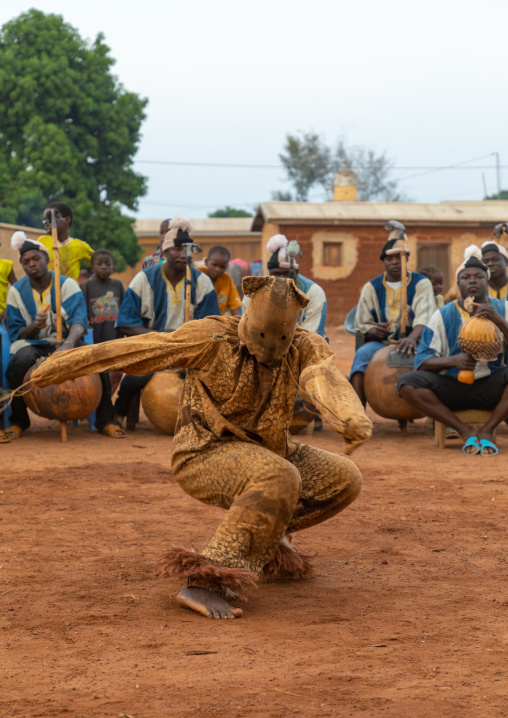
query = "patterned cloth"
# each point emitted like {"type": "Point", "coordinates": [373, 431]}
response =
{"type": "Point", "coordinates": [226, 291]}
{"type": "Point", "coordinates": [313, 317]}
{"type": "Point", "coordinates": [71, 253]}
{"type": "Point", "coordinates": [23, 303]}
{"type": "Point", "coordinates": [380, 302]}
{"type": "Point", "coordinates": [152, 259]}
{"type": "Point", "coordinates": [5, 269]}
{"type": "Point", "coordinates": [151, 300]}
{"type": "Point", "coordinates": [439, 338]}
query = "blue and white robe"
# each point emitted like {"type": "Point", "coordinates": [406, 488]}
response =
{"type": "Point", "coordinates": [151, 300]}
{"type": "Point", "coordinates": [381, 303]}
{"type": "Point", "coordinates": [23, 303]}
{"type": "Point", "coordinates": [313, 317]}
{"type": "Point", "coordinates": [439, 338]}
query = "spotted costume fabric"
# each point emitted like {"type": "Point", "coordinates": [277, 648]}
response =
{"type": "Point", "coordinates": [232, 446]}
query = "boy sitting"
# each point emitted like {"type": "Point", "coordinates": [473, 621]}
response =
{"type": "Point", "coordinates": [215, 267]}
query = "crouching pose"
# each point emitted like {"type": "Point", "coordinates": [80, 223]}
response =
{"type": "Point", "coordinates": [232, 447]}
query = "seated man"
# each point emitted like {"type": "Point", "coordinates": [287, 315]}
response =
{"type": "Point", "coordinates": [495, 257]}
{"type": "Point", "coordinates": [155, 301]}
{"type": "Point", "coordinates": [379, 311]}
{"type": "Point", "coordinates": [31, 325]}
{"type": "Point", "coordinates": [313, 317]}
{"type": "Point", "coordinates": [435, 390]}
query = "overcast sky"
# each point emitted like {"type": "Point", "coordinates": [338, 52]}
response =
{"type": "Point", "coordinates": [226, 81]}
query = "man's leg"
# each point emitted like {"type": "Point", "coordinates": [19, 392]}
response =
{"type": "Point", "coordinates": [260, 491]}
{"type": "Point", "coordinates": [19, 364]}
{"type": "Point", "coordinates": [105, 413]}
{"type": "Point", "coordinates": [129, 387]}
{"type": "Point", "coordinates": [359, 366]}
{"type": "Point", "coordinates": [329, 484]}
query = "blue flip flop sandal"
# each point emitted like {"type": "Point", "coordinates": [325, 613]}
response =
{"type": "Point", "coordinates": [472, 441]}
{"type": "Point", "coordinates": [484, 444]}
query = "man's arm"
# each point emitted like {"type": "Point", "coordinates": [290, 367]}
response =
{"type": "Point", "coordinates": [364, 319]}
{"type": "Point", "coordinates": [76, 332]}
{"type": "Point", "coordinates": [133, 316]}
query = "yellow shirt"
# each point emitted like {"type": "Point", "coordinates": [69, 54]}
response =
{"type": "Point", "coordinates": [5, 269]}
{"type": "Point", "coordinates": [499, 293]}
{"type": "Point", "coordinates": [71, 252]}
{"type": "Point", "coordinates": [226, 291]}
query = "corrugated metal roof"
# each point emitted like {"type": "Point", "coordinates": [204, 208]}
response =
{"type": "Point", "coordinates": [210, 225]}
{"type": "Point", "coordinates": [490, 211]}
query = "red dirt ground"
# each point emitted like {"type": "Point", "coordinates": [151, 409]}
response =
{"type": "Point", "coordinates": [407, 615]}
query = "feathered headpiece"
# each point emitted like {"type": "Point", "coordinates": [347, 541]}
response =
{"type": "Point", "coordinates": [278, 247]}
{"type": "Point", "coordinates": [472, 258]}
{"type": "Point", "coordinates": [178, 233]}
{"type": "Point", "coordinates": [20, 243]}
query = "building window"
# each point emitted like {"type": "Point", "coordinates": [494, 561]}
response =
{"type": "Point", "coordinates": [332, 254]}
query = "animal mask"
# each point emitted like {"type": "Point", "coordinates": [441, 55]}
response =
{"type": "Point", "coordinates": [269, 323]}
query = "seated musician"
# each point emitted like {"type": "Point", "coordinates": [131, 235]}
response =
{"type": "Point", "coordinates": [378, 316]}
{"type": "Point", "coordinates": [495, 256]}
{"type": "Point", "coordinates": [313, 317]}
{"type": "Point", "coordinates": [31, 326]}
{"type": "Point", "coordinates": [155, 302]}
{"type": "Point", "coordinates": [434, 388]}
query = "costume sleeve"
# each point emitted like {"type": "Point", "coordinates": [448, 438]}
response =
{"type": "Point", "coordinates": [433, 342]}
{"type": "Point", "coordinates": [367, 312]}
{"type": "Point", "coordinates": [192, 346]}
{"type": "Point", "coordinates": [207, 303]}
{"type": "Point", "coordinates": [314, 315]}
{"type": "Point", "coordinates": [331, 392]}
{"type": "Point", "coordinates": [234, 301]}
{"type": "Point", "coordinates": [424, 303]}
{"type": "Point", "coordinates": [73, 304]}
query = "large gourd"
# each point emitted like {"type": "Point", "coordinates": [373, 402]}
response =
{"type": "Point", "coordinates": [71, 400]}
{"type": "Point", "coordinates": [381, 375]}
{"type": "Point", "coordinates": [480, 338]}
{"type": "Point", "coordinates": [161, 398]}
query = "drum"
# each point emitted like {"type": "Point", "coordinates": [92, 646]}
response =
{"type": "Point", "coordinates": [161, 398]}
{"type": "Point", "coordinates": [69, 401]}
{"type": "Point", "coordinates": [383, 371]}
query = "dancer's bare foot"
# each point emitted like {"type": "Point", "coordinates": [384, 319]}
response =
{"type": "Point", "coordinates": [208, 603]}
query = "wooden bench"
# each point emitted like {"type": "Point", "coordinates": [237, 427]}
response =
{"type": "Point", "coordinates": [472, 416]}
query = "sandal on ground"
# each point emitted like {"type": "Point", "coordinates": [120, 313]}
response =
{"type": "Point", "coordinates": [486, 444]}
{"type": "Point", "coordinates": [113, 431]}
{"type": "Point", "coordinates": [451, 433]}
{"type": "Point", "coordinates": [13, 432]}
{"type": "Point", "coordinates": [4, 439]}
{"type": "Point", "coordinates": [472, 441]}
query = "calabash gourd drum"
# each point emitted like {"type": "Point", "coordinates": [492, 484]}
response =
{"type": "Point", "coordinates": [480, 338]}
{"type": "Point", "coordinates": [71, 400]}
{"type": "Point", "coordinates": [160, 399]}
{"type": "Point", "coordinates": [381, 376]}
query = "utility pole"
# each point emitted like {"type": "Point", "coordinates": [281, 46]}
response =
{"type": "Point", "coordinates": [498, 172]}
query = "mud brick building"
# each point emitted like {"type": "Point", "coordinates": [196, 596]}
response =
{"type": "Point", "coordinates": [341, 240]}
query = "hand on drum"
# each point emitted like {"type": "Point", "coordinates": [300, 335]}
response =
{"type": "Point", "coordinates": [406, 346]}
{"type": "Point", "coordinates": [464, 362]}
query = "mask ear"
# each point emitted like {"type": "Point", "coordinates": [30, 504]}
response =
{"type": "Point", "coordinates": [300, 297]}
{"type": "Point", "coordinates": [252, 285]}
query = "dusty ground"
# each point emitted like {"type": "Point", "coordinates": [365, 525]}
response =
{"type": "Point", "coordinates": [407, 615]}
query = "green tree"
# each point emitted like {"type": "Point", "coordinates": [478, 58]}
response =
{"type": "Point", "coordinates": [69, 132]}
{"type": "Point", "coordinates": [228, 211]}
{"type": "Point", "coordinates": [499, 195]}
{"type": "Point", "coordinates": [310, 163]}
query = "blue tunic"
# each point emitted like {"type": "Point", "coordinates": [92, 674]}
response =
{"type": "Point", "coordinates": [151, 300]}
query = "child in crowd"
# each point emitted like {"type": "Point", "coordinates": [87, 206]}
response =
{"type": "Point", "coordinates": [103, 297]}
{"type": "Point", "coordinates": [215, 267]}
{"type": "Point", "coordinates": [71, 251]}
{"type": "Point", "coordinates": [436, 277]}
{"type": "Point", "coordinates": [7, 277]}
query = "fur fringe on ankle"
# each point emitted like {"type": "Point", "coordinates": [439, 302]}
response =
{"type": "Point", "coordinates": [200, 571]}
{"type": "Point", "coordinates": [288, 564]}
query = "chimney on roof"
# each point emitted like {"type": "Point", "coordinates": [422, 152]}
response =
{"type": "Point", "coordinates": [344, 186]}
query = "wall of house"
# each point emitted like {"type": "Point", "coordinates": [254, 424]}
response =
{"type": "Point", "coordinates": [361, 247]}
{"type": "Point", "coordinates": [6, 232]}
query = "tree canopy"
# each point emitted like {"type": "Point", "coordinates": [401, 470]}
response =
{"type": "Point", "coordinates": [69, 132]}
{"type": "Point", "coordinates": [310, 163]}
{"type": "Point", "coordinates": [229, 212]}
